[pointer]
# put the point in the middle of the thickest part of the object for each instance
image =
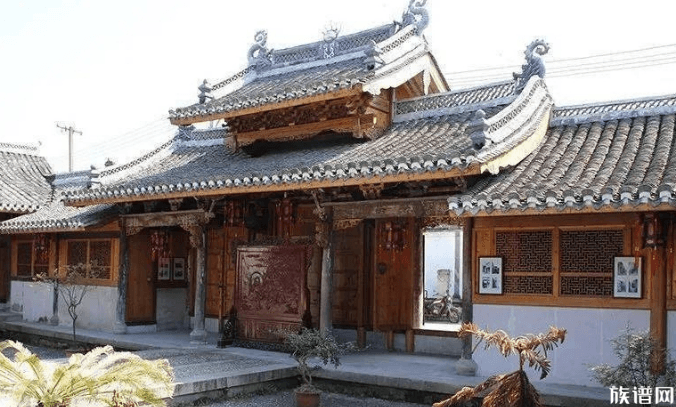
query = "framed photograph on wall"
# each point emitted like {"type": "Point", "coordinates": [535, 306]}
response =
{"type": "Point", "coordinates": [179, 268]}
{"type": "Point", "coordinates": [164, 268]}
{"type": "Point", "coordinates": [627, 277]}
{"type": "Point", "coordinates": [490, 275]}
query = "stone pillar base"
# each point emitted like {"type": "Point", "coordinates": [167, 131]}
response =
{"type": "Point", "coordinates": [198, 336]}
{"type": "Point", "coordinates": [54, 320]}
{"type": "Point", "coordinates": [466, 367]}
{"type": "Point", "coordinates": [120, 328]}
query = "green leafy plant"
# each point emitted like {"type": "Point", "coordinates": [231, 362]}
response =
{"type": "Point", "coordinates": [511, 389]}
{"type": "Point", "coordinates": [310, 343]}
{"type": "Point", "coordinates": [101, 377]}
{"type": "Point", "coordinates": [635, 352]}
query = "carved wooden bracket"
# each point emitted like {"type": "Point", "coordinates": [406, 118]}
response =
{"type": "Point", "coordinates": [234, 213]}
{"type": "Point", "coordinates": [371, 191]}
{"type": "Point", "coordinates": [284, 217]}
{"type": "Point", "coordinates": [343, 224]}
{"type": "Point", "coordinates": [322, 231]}
{"type": "Point", "coordinates": [191, 221]}
{"type": "Point", "coordinates": [174, 204]}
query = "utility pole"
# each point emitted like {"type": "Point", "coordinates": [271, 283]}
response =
{"type": "Point", "coordinates": [71, 130]}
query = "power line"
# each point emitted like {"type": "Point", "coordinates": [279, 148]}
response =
{"type": "Point", "coordinates": [71, 130]}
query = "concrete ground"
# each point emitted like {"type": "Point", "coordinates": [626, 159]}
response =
{"type": "Point", "coordinates": [204, 371]}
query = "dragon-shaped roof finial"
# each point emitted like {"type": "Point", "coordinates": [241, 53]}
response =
{"type": "Point", "coordinates": [416, 14]}
{"type": "Point", "coordinates": [259, 54]}
{"type": "Point", "coordinates": [534, 64]}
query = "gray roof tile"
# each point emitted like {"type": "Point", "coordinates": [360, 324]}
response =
{"type": "Point", "coordinates": [23, 179]}
{"type": "Point", "coordinates": [587, 161]}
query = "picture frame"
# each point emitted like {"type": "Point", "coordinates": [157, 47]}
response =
{"type": "Point", "coordinates": [490, 275]}
{"type": "Point", "coordinates": [164, 269]}
{"type": "Point", "coordinates": [179, 269]}
{"type": "Point", "coordinates": [627, 277]}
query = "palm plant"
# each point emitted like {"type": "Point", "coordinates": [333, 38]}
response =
{"type": "Point", "coordinates": [511, 389]}
{"type": "Point", "coordinates": [101, 377]}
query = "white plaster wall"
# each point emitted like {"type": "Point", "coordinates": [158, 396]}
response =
{"type": "Point", "coordinates": [35, 299]}
{"type": "Point", "coordinates": [587, 341]}
{"type": "Point", "coordinates": [671, 333]}
{"type": "Point", "coordinates": [171, 309]}
{"type": "Point", "coordinates": [16, 295]}
{"type": "Point", "coordinates": [96, 312]}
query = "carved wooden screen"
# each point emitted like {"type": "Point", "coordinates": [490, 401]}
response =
{"type": "Point", "coordinates": [527, 261]}
{"type": "Point", "coordinates": [587, 261]}
{"type": "Point", "coordinates": [271, 293]}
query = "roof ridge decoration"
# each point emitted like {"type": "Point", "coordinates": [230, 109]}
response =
{"type": "Point", "coordinates": [455, 102]}
{"type": "Point", "coordinates": [417, 15]}
{"type": "Point", "coordinates": [259, 54]}
{"type": "Point", "coordinates": [614, 110]}
{"type": "Point", "coordinates": [534, 65]}
{"type": "Point", "coordinates": [18, 148]}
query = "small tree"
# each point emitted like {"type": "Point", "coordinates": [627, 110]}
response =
{"type": "Point", "coordinates": [72, 287]}
{"type": "Point", "coordinates": [102, 377]}
{"type": "Point", "coordinates": [635, 351]}
{"type": "Point", "coordinates": [310, 343]}
{"type": "Point", "coordinates": [512, 389]}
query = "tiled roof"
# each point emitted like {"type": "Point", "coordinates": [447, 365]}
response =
{"type": "Point", "coordinates": [23, 184]}
{"type": "Point", "coordinates": [313, 69]}
{"type": "Point", "coordinates": [604, 155]}
{"type": "Point", "coordinates": [431, 142]}
{"type": "Point", "coordinates": [56, 217]}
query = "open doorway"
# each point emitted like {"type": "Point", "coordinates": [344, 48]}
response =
{"type": "Point", "coordinates": [442, 278]}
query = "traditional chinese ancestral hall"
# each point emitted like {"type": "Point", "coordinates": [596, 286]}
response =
{"type": "Point", "coordinates": [344, 185]}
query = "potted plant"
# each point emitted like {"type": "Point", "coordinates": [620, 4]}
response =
{"type": "Point", "coordinates": [308, 344]}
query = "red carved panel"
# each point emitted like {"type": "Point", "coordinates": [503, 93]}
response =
{"type": "Point", "coordinates": [270, 293]}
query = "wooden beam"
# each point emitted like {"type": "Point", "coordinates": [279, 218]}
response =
{"type": "Point", "coordinates": [357, 89]}
{"type": "Point", "coordinates": [352, 124]}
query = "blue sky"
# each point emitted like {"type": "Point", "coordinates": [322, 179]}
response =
{"type": "Point", "coordinates": [114, 69]}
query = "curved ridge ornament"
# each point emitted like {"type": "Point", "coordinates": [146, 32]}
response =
{"type": "Point", "coordinates": [416, 14]}
{"type": "Point", "coordinates": [534, 64]}
{"type": "Point", "coordinates": [259, 54]}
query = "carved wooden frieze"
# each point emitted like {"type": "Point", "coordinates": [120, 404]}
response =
{"type": "Point", "coordinates": [391, 209]}
{"type": "Point", "coordinates": [270, 292]}
{"type": "Point", "coordinates": [191, 221]}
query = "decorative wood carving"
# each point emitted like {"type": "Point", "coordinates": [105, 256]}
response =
{"type": "Point", "coordinates": [234, 213]}
{"type": "Point", "coordinates": [363, 115]}
{"type": "Point", "coordinates": [270, 293]}
{"type": "Point", "coordinates": [285, 217]}
{"type": "Point", "coordinates": [174, 204]}
{"type": "Point", "coordinates": [393, 236]}
{"type": "Point", "coordinates": [417, 208]}
{"type": "Point", "coordinates": [191, 221]}
{"type": "Point", "coordinates": [149, 206]}
{"type": "Point", "coordinates": [371, 191]}
{"type": "Point", "coordinates": [343, 224]}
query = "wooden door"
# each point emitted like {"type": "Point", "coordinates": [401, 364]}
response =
{"type": "Point", "coordinates": [141, 283]}
{"type": "Point", "coordinates": [392, 277]}
{"type": "Point", "coordinates": [349, 260]}
{"type": "Point", "coordinates": [4, 268]}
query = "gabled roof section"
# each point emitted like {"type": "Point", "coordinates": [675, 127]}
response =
{"type": "Point", "coordinates": [23, 178]}
{"type": "Point", "coordinates": [54, 216]}
{"type": "Point", "coordinates": [338, 66]}
{"type": "Point", "coordinates": [605, 156]}
{"type": "Point", "coordinates": [433, 140]}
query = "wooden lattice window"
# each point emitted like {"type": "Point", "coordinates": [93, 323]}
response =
{"type": "Point", "coordinates": [28, 262]}
{"type": "Point", "coordinates": [527, 261]}
{"type": "Point", "coordinates": [95, 257]}
{"type": "Point", "coordinates": [587, 261]}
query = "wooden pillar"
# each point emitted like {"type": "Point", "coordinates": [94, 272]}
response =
{"type": "Point", "coordinates": [198, 242]}
{"type": "Point", "coordinates": [120, 326]}
{"type": "Point", "coordinates": [325, 239]}
{"type": "Point", "coordinates": [467, 312]}
{"type": "Point", "coordinates": [654, 242]}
